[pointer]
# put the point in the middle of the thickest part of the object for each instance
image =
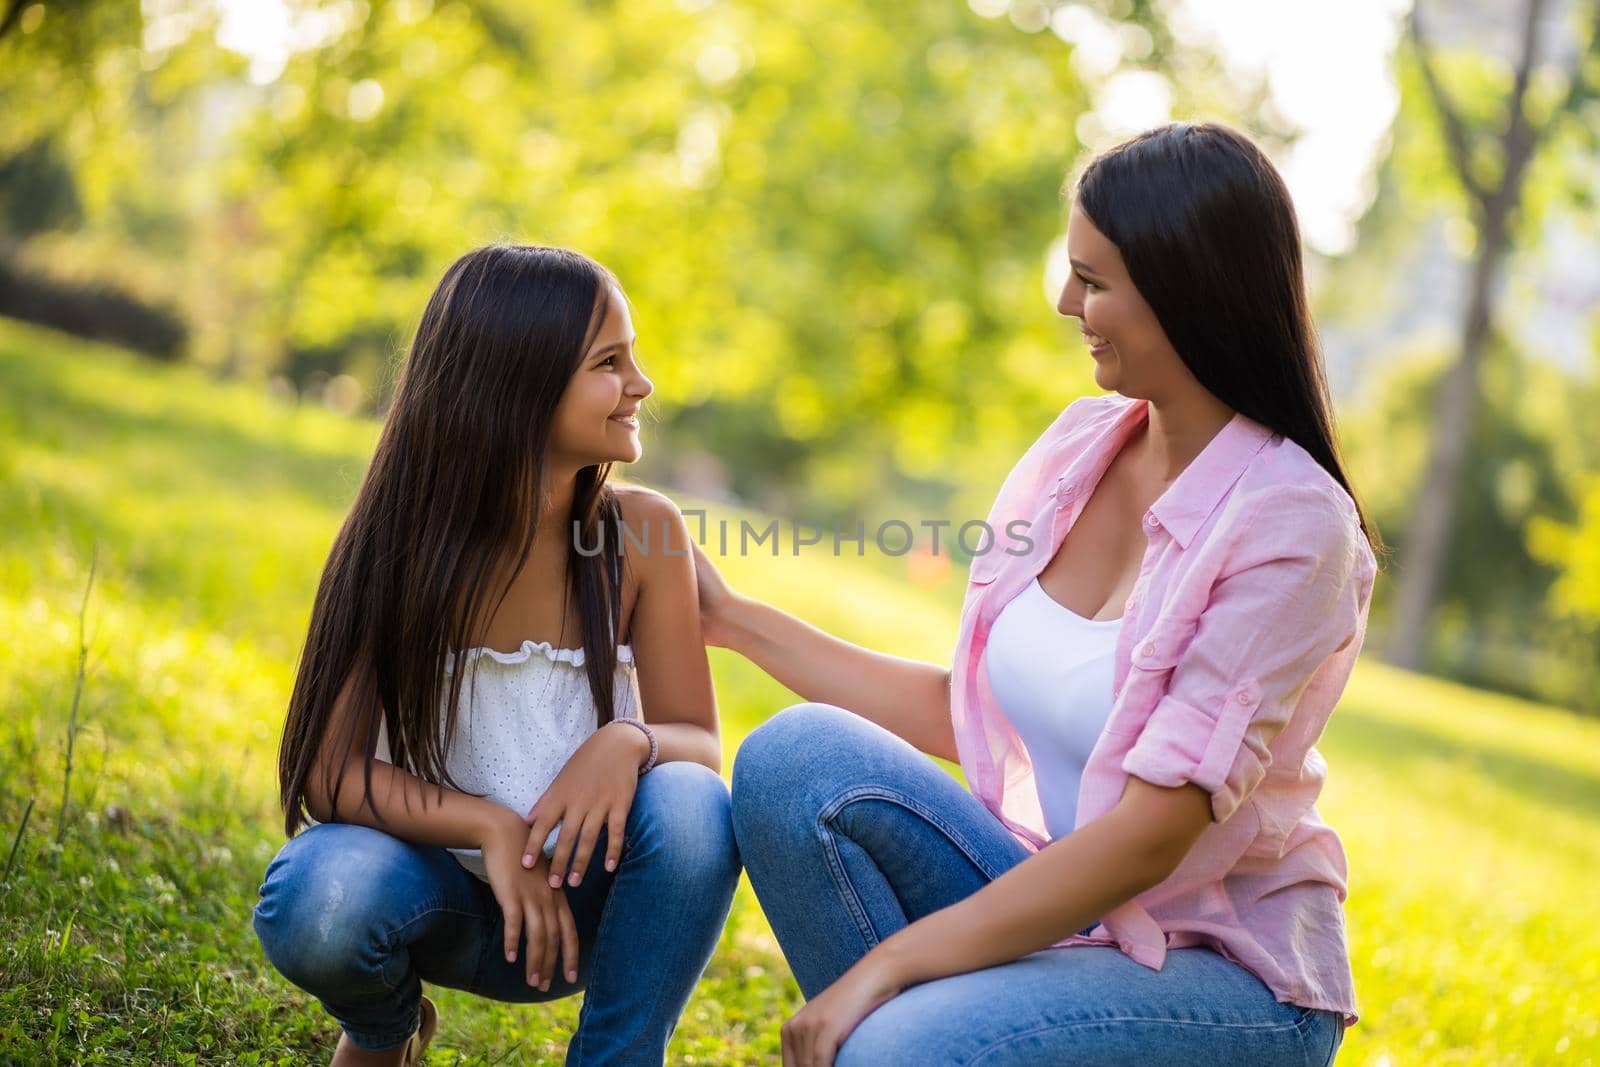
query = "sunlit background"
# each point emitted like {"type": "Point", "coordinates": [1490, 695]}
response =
{"type": "Point", "coordinates": [840, 225]}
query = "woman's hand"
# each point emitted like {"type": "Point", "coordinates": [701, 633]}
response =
{"type": "Point", "coordinates": [716, 597]}
{"type": "Point", "coordinates": [813, 1036]}
{"type": "Point", "coordinates": [530, 907]}
{"type": "Point", "coordinates": [594, 791]}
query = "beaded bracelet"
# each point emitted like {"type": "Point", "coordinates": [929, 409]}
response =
{"type": "Point", "coordinates": [651, 734]}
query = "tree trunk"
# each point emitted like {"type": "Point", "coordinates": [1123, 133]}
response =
{"type": "Point", "coordinates": [1426, 549]}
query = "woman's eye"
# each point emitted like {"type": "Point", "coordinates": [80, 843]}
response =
{"type": "Point", "coordinates": [608, 360]}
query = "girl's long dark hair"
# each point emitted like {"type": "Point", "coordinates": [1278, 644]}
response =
{"type": "Point", "coordinates": [452, 496]}
{"type": "Point", "coordinates": [1207, 230]}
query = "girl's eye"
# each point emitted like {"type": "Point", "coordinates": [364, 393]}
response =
{"type": "Point", "coordinates": [608, 360]}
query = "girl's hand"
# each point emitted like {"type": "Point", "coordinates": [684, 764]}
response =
{"type": "Point", "coordinates": [813, 1036]}
{"type": "Point", "coordinates": [716, 597]}
{"type": "Point", "coordinates": [531, 908]}
{"type": "Point", "coordinates": [593, 791]}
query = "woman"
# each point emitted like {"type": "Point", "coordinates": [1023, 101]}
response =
{"type": "Point", "coordinates": [1139, 874]}
{"type": "Point", "coordinates": [438, 698]}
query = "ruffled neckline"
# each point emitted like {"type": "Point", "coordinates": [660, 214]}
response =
{"type": "Point", "coordinates": [574, 656]}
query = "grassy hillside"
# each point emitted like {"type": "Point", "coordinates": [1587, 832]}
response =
{"type": "Point", "coordinates": [1472, 822]}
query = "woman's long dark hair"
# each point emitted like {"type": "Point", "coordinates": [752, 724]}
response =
{"type": "Point", "coordinates": [1207, 230]}
{"type": "Point", "coordinates": [453, 494]}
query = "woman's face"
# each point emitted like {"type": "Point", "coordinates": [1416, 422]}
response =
{"type": "Point", "coordinates": [1130, 349]}
{"type": "Point", "coordinates": [597, 419]}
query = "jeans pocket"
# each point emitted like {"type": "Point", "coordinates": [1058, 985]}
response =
{"type": "Point", "coordinates": [1321, 1032]}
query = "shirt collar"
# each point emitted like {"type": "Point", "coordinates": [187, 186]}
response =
{"type": "Point", "coordinates": [1189, 501]}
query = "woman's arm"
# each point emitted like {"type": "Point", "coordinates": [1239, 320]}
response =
{"type": "Point", "coordinates": [907, 697]}
{"type": "Point", "coordinates": [1072, 882]}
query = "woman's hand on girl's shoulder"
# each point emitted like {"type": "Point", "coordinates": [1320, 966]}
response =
{"type": "Point", "coordinates": [593, 792]}
{"type": "Point", "coordinates": [532, 910]}
{"type": "Point", "coordinates": [716, 598]}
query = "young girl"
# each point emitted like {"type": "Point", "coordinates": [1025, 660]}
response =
{"type": "Point", "coordinates": [1139, 873]}
{"type": "Point", "coordinates": [467, 735]}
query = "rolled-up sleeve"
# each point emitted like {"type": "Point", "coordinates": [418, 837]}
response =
{"type": "Point", "coordinates": [1290, 597]}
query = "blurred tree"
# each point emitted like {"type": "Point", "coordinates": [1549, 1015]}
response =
{"type": "Point", "coordinates": [1490, 162]}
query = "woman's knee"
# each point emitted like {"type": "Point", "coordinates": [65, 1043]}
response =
{"type": "Point", "coordinates": [788, 762]}
{"type": "Point", "coordinates": [782, 747]}
{"type": "Point", "coordinates": [321, 908]}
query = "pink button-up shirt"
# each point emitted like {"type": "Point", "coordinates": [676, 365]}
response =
{"type": "Point", "coordinates": [1244, 623]}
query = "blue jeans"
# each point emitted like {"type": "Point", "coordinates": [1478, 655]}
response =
{"type": "Point", "coordinates": [359, 919]}
{"type": "Point", "coordinates": [849, 834]}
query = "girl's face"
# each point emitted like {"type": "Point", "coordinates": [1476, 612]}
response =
{"type": "Point", "coordinates": [597, 419]}
{"type": "Point", "coordinates": [1130, 349]}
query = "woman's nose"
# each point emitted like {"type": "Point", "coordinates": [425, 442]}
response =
{"type": "Point", "coordinates": [1067, 303]}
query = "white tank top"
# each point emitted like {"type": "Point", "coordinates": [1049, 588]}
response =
{"type": "Point", "coordinates": [1050, 670]}
{"type": "Point", "coordinates": [530, 712]}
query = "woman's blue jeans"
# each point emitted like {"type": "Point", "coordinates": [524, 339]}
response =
{"type": "Point", "coordinates": [359, 919]}
{"type": "Point", "coordinates": [849, 834]}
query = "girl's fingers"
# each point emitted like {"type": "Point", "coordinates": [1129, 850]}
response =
{"type": "Point", "coordinates": [543, 823]}
{"type": "Point", "coordinates": [536, 969]}
{"type": "Point", "coordinates": [549, 940]}
{"type": "Point", "coordinates": [616, 825]}
{"type": "Point", "coordinates": [571, 828]}
{"type": "Point", "coordinates": [569, 937]}
{"type": "Point", "coordinates": [512, 911]}
{"type": "Point", "coordinates": [586, 841]}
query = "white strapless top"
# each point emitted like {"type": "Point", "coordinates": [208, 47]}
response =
{"type": "Point", "coordinates": [528, 713]}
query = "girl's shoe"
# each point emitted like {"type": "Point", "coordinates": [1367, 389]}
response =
{"type": "Point", "coordinates": [425, 1030]}
{"type": "Point", "coordinates": [414, 1047]}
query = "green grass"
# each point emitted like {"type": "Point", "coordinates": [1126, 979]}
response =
{"type": "Point", "coordinates": [1472, 822]}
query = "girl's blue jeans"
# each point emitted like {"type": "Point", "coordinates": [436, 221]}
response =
{"type": "Point", "coordinates": [360, 919]}
{"type": "Point", "coordinates": [849, 834]}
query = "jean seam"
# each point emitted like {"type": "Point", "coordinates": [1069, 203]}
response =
{"type": "Point", "coordinates": [846, 888]}
{"type": "Point", "coordinates": [1011, 1039]}
{"type": "Point", "coordinates": [910, 803]}
{"type": "Point", "coordinates": [575, 1049]}
{"type": "Point", "coordinates": [395, 934]}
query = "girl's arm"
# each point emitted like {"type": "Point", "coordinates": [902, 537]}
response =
{"type": "Point", "coordinates": [423, 813]}
{"type": "Point", "coordinates": [595, 788]}
{"type": "Point", "coordinates": [674, 676]}
{"type": "Point", "coordinates": [1071, 883]}
{"type": "Point", "coordinates": [907, 697]}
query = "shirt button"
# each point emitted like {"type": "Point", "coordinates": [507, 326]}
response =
{"type": "Point", "coordinates": [1244, 698]}
{"type": "Point", "coordinates": [1149, 650]}
{"type": "Point", "coordinates": [1151, 522]}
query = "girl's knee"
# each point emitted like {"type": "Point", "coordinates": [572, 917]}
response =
{"type": "Point", "coordinates": [682, 808]}
{"type": "Point", "coordinates": [320, 906]}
